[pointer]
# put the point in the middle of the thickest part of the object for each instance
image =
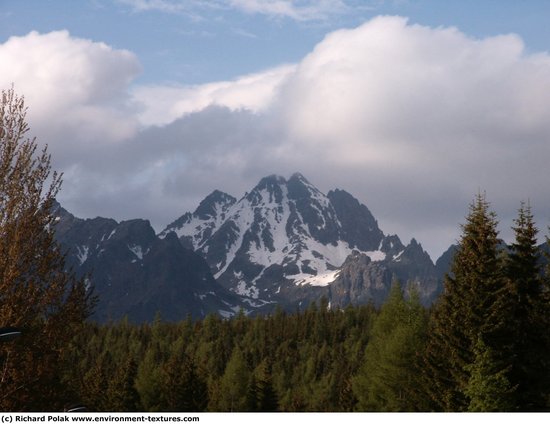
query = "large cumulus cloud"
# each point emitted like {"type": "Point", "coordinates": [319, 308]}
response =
{"type": "Point", "coordinates": [76, 91]}
{"type": "Point", "coordinates": [412, 120]}
{"type": "Point", "coordinates": [419, 119]}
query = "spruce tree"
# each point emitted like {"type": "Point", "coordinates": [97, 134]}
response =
{"type": "Point", "coordinates": [488, 388]}
{"type": "Point", "coordinates": [529, 320]}
{"type": "Point", "coordinates": [37, 294]}
{"type": "Point", "coordinates": [95, 382]}
{"type": "Point", "coordinates": [475, 304]}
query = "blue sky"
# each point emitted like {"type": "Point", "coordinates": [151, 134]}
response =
{"type": "Point", "coordinates": [200, 43]}
{"type": "Point", "coordinates": [412, 106]}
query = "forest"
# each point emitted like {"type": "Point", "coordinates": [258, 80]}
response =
{"type": "Point", "coordinates": [482, 346]}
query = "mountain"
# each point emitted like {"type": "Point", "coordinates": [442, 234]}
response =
{"type": "Point", "coordinates": [283, 243]}
{"type": "Point", "coordinates": [443, 264]}
{"type": "Point", "coordinates": [286, 242]}
{"type": "Point", "coordinates": [136, 274]}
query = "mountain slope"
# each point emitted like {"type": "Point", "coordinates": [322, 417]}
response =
{"type": "Point", "coordinates": [136, 274]}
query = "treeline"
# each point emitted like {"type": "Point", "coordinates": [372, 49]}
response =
{"type": "Point", "coordinates": [300, 362]}
{"type": "Point", "coordinates": [482, 347]}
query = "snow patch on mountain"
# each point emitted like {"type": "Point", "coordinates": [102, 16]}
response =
{"type": "Point", "coordinates": [275, 218]}
{"type": "Point", "coordinates": [247, 290]}
{"type": "Point", "coordinates": [195, 228]}
{"type": "Point", "coordinates": [82, 253]}
{"type": "Point", "coordinates": [315, 280]}
{"type": "Point", "coordinates": [137, 250]}
{"type": "Point", "coordinates": [240, 219]}
{"type": "Point", "coordinates": [204, 222]}
{"type": "Point", "coordinates": [376, 255]}
{"type": "Point", "coordinates": [397, 257]}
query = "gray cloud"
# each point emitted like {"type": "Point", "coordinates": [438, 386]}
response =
{"type": "Point", "coordinates": [411, 120]}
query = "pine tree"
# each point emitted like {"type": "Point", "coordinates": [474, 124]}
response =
{"type": "Point", "coordinates": [252, 395]}
{"type": "Point", "coordinates": [37, 295]}
{"type": "Point", "coordinates": [475, 304]}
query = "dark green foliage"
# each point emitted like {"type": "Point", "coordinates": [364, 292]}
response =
{"type": "Point", "coordinates": [474, 304]}
{"type": "Point", "coordinates": [149, 381]}
{"type": "Point", "coordinates": [123, 395]}
{"type": "Point", "coordinates": [529, 322]}
{"type": "Point", "coordinates": [183, 389]}
{"type": "Point", "coordinates": [94, 383]}
{"type": "Point", "coordinates": [234, 384]}
{"type": "Point", "coordinates": [488, 387]}
{"type": "Point", "coordinates": [488, 339]}
{"type": "Point", "coordinates": [299, 362]}
{"type": "Point", "coordinates": [388, 376]}
{"type": "Point", "coordinates": [261, 394]}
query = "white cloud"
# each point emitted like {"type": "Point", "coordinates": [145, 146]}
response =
{"type": "Point", "coordinates": [412, 120]}
{"type": "Point", "coordinates": [254, 92]}
{"type": "Point", "coordinates": [160, 5]}
{"type": "Point", "coordinates": [298, 10]}
{"type": "Point", "coordinates": [76, 90]}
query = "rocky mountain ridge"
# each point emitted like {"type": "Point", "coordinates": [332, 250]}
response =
{"type": "Point", "coordinates": [286, 242]}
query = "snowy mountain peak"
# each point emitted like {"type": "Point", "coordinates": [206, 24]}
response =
{"type": "Point", "coordinates": [299, 176]}
{"type": "Point", "coordinates": [282, 235]}
{"type": "Point", "coordinates": [194, 229]}
{"type": "Point", "coordinates": [271, 180]}
{"type": "Point", "coordinates": [268, 191]}
{"type": "Point", "coordinates": [299, 188]}
{"type": "Point", "coordinates": [214, 204]}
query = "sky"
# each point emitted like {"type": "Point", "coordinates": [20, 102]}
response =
{"type": "Point", "coordinates": [413, 107]}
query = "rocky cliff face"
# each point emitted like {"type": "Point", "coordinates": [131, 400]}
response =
{"type": "Point", "coordinates": [362, 280]}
